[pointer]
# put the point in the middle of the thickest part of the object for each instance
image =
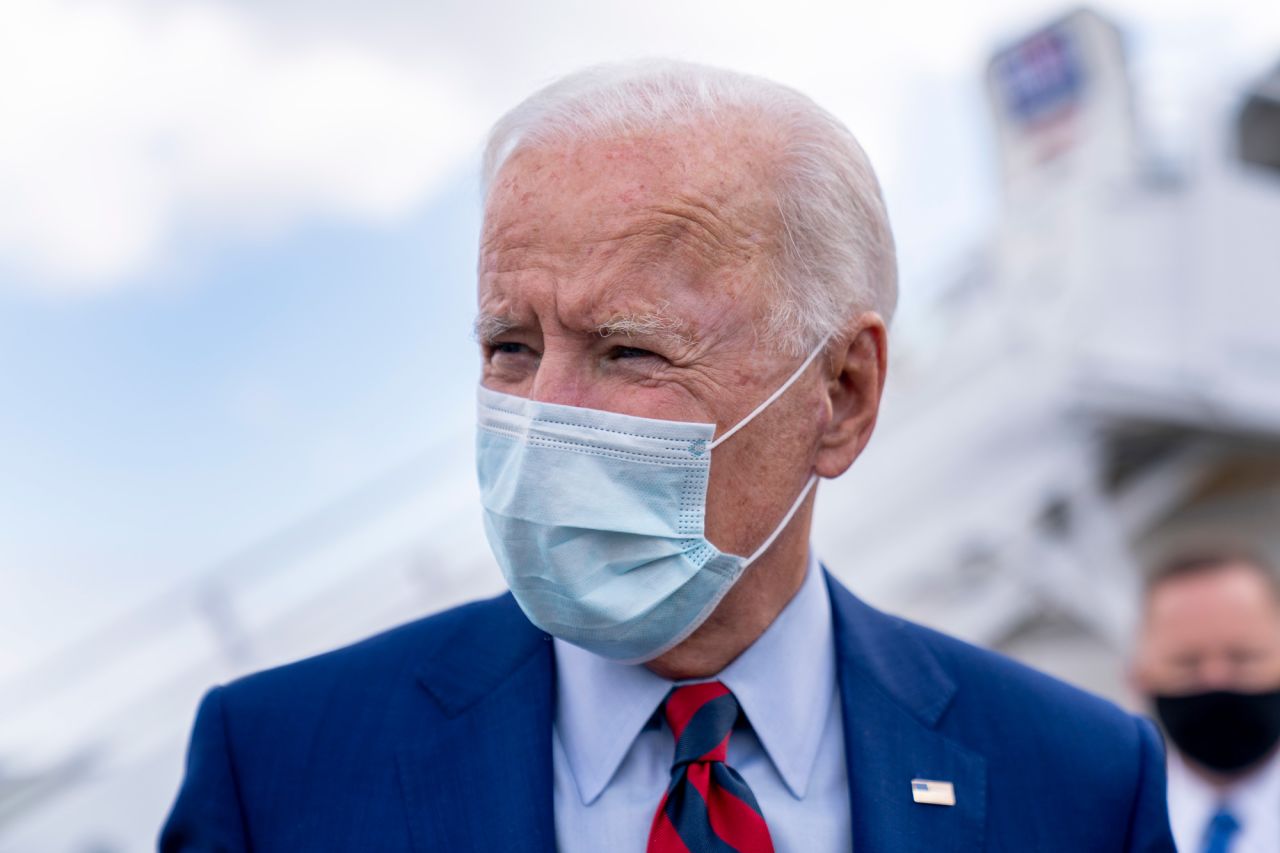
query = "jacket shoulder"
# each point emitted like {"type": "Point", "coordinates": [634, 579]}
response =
{"type": "Point", "coordinates": [1029, 722]}
{"type": "Point", "coordinates": [1022, 719]}
{"type": "Point", "coordinates": [1014, 708]}
{"type": "Point", "coordinates": [1046, 741]}
{"type": "Point", "coordinates": [996, 676]}
{"type": "Point", "coordinates": [1053, 753]}
{"type": "Point", "coordinates": [960, 675]}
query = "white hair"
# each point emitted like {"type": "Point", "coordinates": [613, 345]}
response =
{"type": "Point", "coordinates": [837, 255]}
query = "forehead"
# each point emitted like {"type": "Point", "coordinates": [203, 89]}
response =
{"type": "Point", "coordinates": [700, 195]}
{"type": "Point", "coordinates": [1234, 602]}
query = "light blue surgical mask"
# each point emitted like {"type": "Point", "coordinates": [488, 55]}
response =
{"type": "Point", "coordinates": [597, 520]}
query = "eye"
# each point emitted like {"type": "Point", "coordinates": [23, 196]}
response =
{"type": "Point", "coordinates": [510, 356]}
{"type": "Point", "coordinates": [1243, 657]}
{"type": "Point", "coordinates": [509, 349]}
{"type": "Point", "coordinates": [631, 352]}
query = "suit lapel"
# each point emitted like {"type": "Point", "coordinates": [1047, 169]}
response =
{"type": "Point", "coordinates": [893, 693]}
{"type": "Point", "coordinates": [481, 777]}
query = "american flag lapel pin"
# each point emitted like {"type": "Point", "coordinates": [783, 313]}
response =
{"type": "Point", "coordinates": [932, 792]}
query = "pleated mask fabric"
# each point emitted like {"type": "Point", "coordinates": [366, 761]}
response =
{"type": "Point", "coordinates": [597, 520]}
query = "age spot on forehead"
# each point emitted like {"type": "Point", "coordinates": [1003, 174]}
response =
{"type": "Point", "coordinates": [660, 217]}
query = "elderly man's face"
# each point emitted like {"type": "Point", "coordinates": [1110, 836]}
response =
{"type": "Point", "coordinates": [627, 275]}
{"type": "Point", "coordinates": [1213, 630]}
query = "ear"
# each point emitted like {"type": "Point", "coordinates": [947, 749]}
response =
{"type": "Point", "coordinates": [856, 367]}
{"type": "Point", "coordinates": [1138, 674]}
{"type": "Point", "coordinates": [1141, 686]}
{"type": "Point", "coordinates": [1135, 679]}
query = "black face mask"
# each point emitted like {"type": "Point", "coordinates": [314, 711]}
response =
{"type": "Point", "coordinates": [1223, 730]}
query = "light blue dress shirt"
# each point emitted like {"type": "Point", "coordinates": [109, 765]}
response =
{"type": "Point", "coordinates": [612, 765]}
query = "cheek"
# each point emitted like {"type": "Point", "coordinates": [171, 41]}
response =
{"type": "Point", "coordinates": [496, 380]}
{"type": "Point", "coordinates": [510, 373]}
{"type": "Point", "coordinates": [758, 474]}
{"type": "Point", "coordinates": [1268, 668]}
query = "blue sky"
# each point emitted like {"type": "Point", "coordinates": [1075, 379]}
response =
{"type": "Point", "coordinates": [236, 254]}
{"type": "Point", "coordinates": [147, 433]}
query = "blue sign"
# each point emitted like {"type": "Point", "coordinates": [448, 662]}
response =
{"type": "Point", "coordinates": [1041, 77]}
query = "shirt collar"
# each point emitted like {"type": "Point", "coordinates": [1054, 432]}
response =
{"type": "Point", "coordinates": [602, 705]}
{"type": "Point", "coordinates": [786, 704]}
{"type": "Point", "coordinates": [1193, 801]}
{"type": "Point", "coordinates": [1257, 792]}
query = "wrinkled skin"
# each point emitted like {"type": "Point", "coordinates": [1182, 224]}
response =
{"type": "Point", "coordinates": [627, 274]}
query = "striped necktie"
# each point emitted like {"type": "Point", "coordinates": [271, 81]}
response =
{"type": "Point", "coordinates": [708, 808]}
{"type": "Point", "coordinates": [1221, 831]}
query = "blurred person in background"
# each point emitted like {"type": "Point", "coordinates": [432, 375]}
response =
{"type": "Point", "coordinates": [1208, 659]}
{"type": "Point", "coordinates": [678, 264]}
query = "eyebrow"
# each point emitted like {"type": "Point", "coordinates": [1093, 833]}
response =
{"type": "Point", "coordinates": [650, 324]}
{"type": "Point", "coordinates": [489, 327]}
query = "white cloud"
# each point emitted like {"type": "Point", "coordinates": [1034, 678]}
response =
{"type": "Point", "coordinates": [128, 123]}
{"type": "Point", "coordinates": [123, 124]}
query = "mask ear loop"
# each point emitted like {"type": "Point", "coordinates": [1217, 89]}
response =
{"type": "Point", "coordinates": [786, 519]}
{"type": "Point", "coordinates": [775, 395]}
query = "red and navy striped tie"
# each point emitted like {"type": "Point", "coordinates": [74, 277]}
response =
{"type": "Point", "coordinates": [708, 808]}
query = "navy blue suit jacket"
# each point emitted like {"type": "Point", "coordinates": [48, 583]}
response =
{"type": "Point", "coordinates": [436, 736]}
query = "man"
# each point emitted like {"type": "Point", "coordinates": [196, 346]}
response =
{"type": "Point", "coordinates": [1208, 657]}
{"type": "Point", "coordinates": [684, 283]}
